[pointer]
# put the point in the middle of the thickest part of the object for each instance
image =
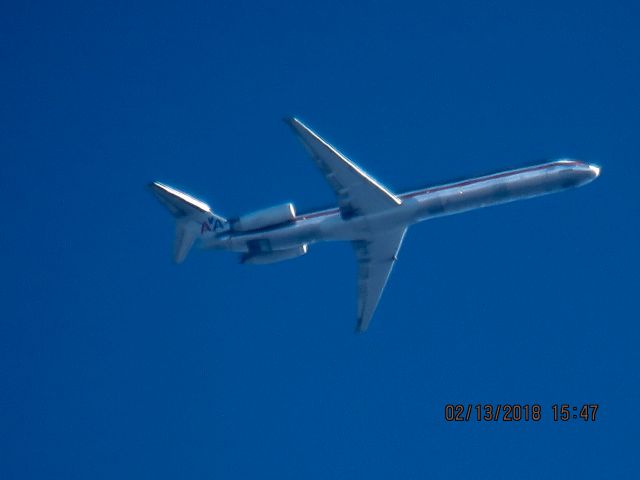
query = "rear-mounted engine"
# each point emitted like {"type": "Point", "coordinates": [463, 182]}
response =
{"type": "Point", "coordinates": [274, 256]}
{"type": "Point", "coordinates": [268, 217]}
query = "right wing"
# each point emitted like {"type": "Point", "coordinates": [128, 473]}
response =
{"type": "Point", "coordinates": [376, 257]}
{"type": "Point", "coordinates": [357, 192]}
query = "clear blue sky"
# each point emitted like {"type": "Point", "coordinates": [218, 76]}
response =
{"type": "Point", "coordinates": [115, 363]}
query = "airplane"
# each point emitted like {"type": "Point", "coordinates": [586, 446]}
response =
{"type": "Point", "coordinates": [370, 216]}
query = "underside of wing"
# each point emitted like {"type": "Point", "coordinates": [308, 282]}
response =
{"type": "Point", "coordinates": [358, 193]}
{"type": "Point", "coordinates": [376, 257]}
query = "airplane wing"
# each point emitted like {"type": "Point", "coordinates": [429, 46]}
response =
{"type": "Point", "coordinates": [358, 193]}
{"type": "Point", "coordinates": [376, 257]}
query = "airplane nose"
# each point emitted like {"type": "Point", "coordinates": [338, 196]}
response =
{"type": "Point", "coordinates": [595, 170]}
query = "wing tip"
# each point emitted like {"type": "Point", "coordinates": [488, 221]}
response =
{"type": "Point", "coordinates": [290, 120]}
{"type": "Point", "coordinates": [361, 326]}
{"type": "Point", "coordinates": [297, 126]}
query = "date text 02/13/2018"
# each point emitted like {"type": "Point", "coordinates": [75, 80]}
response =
{"type": "Point", "coordinates": [515, 412]}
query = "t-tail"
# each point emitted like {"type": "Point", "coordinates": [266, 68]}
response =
{"type": "Point", "coordinates": [193, 217]}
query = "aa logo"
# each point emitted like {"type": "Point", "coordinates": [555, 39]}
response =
{"type": "Point", "coordinates": [211, 225]}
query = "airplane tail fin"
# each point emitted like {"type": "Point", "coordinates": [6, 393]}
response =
{"type": "Point", "coordinates": [192, 216]}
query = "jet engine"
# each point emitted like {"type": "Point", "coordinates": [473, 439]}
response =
{"type": "Point", "coordinates": [274, 256]}
{"type": "Point", "coordinates": [267, 217]}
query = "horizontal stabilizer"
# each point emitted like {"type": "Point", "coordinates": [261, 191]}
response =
{"type": "Point", "coordinates": [180, 204]}
{"type": "Point", "coordinates": [190, 214]}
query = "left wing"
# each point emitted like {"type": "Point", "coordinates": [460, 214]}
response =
{"type": "Point", "coordinates": [376, 257]}
{"type": "Point", "coordinates": [358, 193]}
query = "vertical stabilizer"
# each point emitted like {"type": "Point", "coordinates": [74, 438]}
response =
{"type": "Point", "coordinates": [186, 234]}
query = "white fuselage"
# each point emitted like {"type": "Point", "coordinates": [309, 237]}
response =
{"type": "Point", "coordinates": [416, 206]}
